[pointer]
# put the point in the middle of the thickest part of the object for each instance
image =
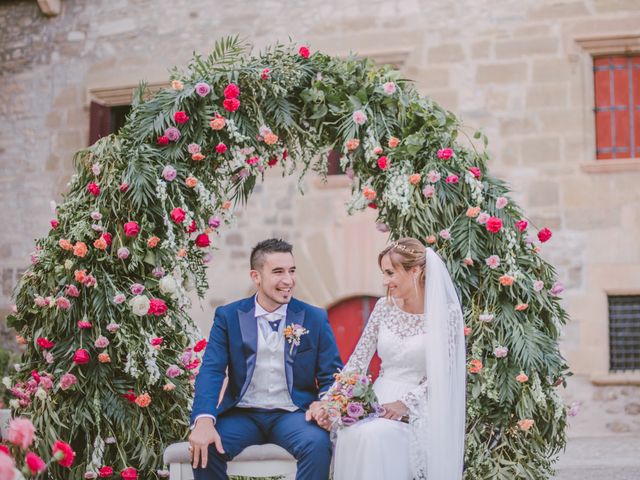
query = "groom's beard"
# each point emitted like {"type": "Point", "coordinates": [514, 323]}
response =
{"type": "Point", "coordinates": [280, 298]}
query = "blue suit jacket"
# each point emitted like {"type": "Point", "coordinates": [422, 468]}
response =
{"type": "Point", "coordinates": [233, 344]}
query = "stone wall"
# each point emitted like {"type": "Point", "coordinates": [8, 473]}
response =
{"type": "Point", "coordinates": [520, 69]}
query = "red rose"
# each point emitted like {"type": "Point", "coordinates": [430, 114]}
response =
{"type": "Point", "coordinates": [383, 163]}
{"type": "Point", "coordinates": [221, 148]}
{"type": "Point", "coordinates": [193, 227]}
{"type": "Point", "coordinates": [131, 229]}
{"type": "Point", "coordinates": [178, 215]}
{"type": "Point", "coordinates": [494, 224]}
{"type": "Point", "coordinates": [162, 141]}
{"type": "Point", "coordinates": [93, 189]}
{"type": "Point", "coordinates": [475, 171]}
{"type": "Point", "coordinates": [285, 154]}
{"type": "Point", "coordinates": [129, 473]}
{"type": "Point", "coordinates": [81, 357]}
{"type": "Point", "coordinates": [4, 449]}
{"type": "Point", "coordinates": [107, 237]}
{"type": "Point", "coordinates": [231, 104]}
{"type": "Point", "coordinates": [180, 117]}
{"type": "Point", "coordinates": [199, 346]}
{"type": "Point", "coordinates": [36, 376]}
{"type": "Point", "coordinates": [265, 74]}
{"type": "Point", "coordinates": [272, 161]}
{"type": "Point", "coordinates": [373, 205]}
{"type": "Point", "coordinates": [130, 396]}
{"type": "Point", "coordinates": [304, 52]}
{"type": "Point", "coordinates": [54, 223]}
{"type": "Point", "coordinates": [35, 463]}
{"type": "Point", "coordinates": [63, 453]}
{"type": "Point", "coordinates": [157, 307]}
{"type": "Point", "coordinates": [202, 240]}
{"type": "Point", "coordinates": [105, 472]}
{"type": "Point", "coordinates": [45, 343]}
{"type": "Point", "coordinates": [544, 235]}
{"type": "Point", "coordinates": [124, 186]}
{"type": "Point", "coordinates": [231, 91]}
{"type": "Point", "coordinates": [522, 225]}
{"type": "Point", "coordinates": [156, 341]}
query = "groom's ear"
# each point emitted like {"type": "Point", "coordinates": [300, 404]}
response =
{"type": "Point", "coordinates": [255, 276]}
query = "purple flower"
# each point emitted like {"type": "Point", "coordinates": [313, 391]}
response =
{"type": "Point", "coordinates": [96, 216]}
{"type": "Point", "coordinates": [202, 89]}
{"type": "Point", "coordinates": [137, 288]}
{"type": "Point", "coordinates": [207, 258]}
{"type": "Point", "coordinates": [379, 409]}
{"type": "Point", "coordinates": [347, 421]}
{"type": "Point", "coordinates": [193, 148]}
{"type": "Point", "coordinates": [119, 298]}
{"type": "Point", "coordinates": [382, 227]}
{"type": "Point", "coordinates": [173, 371]}
{"type": "Point", "coordinates": [185, 358]}
{"type": "Point", "coordinates": [355, 409]}
{"type": "Point", "coordinates": [169, 173]}
{"type": "Point", "coordinates": [348, 391]}
{"type": "Point", "coordinates": [172, 133]}
{"type": "Point", "coordinates": [556, 289]}
{"type": "Point", "coordinates": [214, 222]}
{"type": "Point", "coordinates": [501, 352]}
{"type": "Point", "coordinates": [364, 380]}
{"type": "Point", "coordinates": [123, 253]}
{"type": "Point", "coordinates": [158, 272]}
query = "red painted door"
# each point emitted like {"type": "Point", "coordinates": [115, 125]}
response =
{"type": "Point", "coordinates": [347, 320]}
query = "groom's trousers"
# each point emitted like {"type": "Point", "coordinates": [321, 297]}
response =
{"type": "Point", "coordinates": [242, 427]}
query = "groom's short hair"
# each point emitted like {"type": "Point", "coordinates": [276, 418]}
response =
{"type": "Point", "coordinates": [265, 247]}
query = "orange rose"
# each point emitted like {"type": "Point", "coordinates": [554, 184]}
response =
{"type": "Point", "coordinates": [522, 377]}
{"type": "Point", "coordinates": [104, 358]}
{"type": "Point", "coordinates": [475, 366]}
{"type": "Point", "coordinates": [415, 179]}
{"type": "Point", "coordinates": [100, 244]}
{"type": "Point", "coordinates": [522, 306]}
{"type": "Point", "coordinates": [80, 275]}
{"type": "Point", "coordinates": [20, 340]}
{"type": "Point", "coordinates": [80, 249]}
{"type": "Point", "coordinates": [226, 205]}
{"type": "Point", "coordinates": [167, 387]}
{"type": "Point", "coordinates": [468, 261]}
{"type": "Point", "coordinates": [525, 424]}
{"type": "Point", "coordinates": [177, 85]}
{"type": "Point", "coordinates": [65, 244]}
{"type": "Point", "coordinates": [143, 400]}
{"type": "Point", "coordinates": [191, 182]}
{"type": "Point", "coordinates": [431, 239]}
{"type": "Point", "coordinates": [217, 123]}
{"type": "Point", "coordinates": [197, 157]}
{"type": "Point", "coordinates": [352, 144]}
{"type": "Point", "coordinates": [506, 280]}
{"type": "Point", "coordinates": [270, 139]}
{"type": "Point", "coordinates": [473, 212]}
{"type": "Point", "coordinates": [393, 142]}
{"type": "Point", "coordinates": [182, 252]}
{"type": "Point", "coordinates": [153, 242]}
{"type": "Point", "coordinates": [369, 193]}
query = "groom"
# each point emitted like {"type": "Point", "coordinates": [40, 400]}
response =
{"type": "Point", "coordinates": [273, 383]}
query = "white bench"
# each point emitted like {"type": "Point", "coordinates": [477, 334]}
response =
{"type": "Point", "coordinates": [267, 460]}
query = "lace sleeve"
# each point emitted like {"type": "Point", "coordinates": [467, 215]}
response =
{"type": "Point", "coordinates": [366, 347]}
{"type": "Point", "coordinates": [415, 398]}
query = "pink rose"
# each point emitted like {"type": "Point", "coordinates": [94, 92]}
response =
{"type": "Point", "coordinates": [501, 202]}
{"type": "Point", "coordinates": [500, 352]}
{"type": "Point", "coordinates": [83, 324]}
{"type": "Point", "coordinates": [304, 52]}
{"type": "Point", "coordinates": [112, 327]}
{"type": "Point", "coordinates": [72, 291]}
{"type": "Point", "coordinates": [81, 357]}
{"type": "Point", "coordinates": [137, 288]}
{"type": "Point", "coordinates": [180, 117]}
{"type": "Point", "coordinates": [173, 371]}
{"type": "Point", "coordinates": [157, 307]}
{"type": "Point", "coordinates": [359, 117]}
{"type": "Point", "coordinates": [131, 229]}
{"type": "Point", "coordinates": [231, 91]}
{"type": "Point", "coordinates": [123, 253]}
{"type": "Point", "coordinates": [169, 173]}
{"type": "Point", "coordinates": [124, 186]}
{"type": "Point", "coordinates": [493, 261]}
{"type": "Point", "coordinates": [214, 222]}
{"type": "Point", "coordinates": [383, 163]}
{"type": "Point", "coordinates": [452, 178]}
{"type": "Point", "coordinates": [433, 176]}
{"type": "Point", "coordinates": [93, 189]}
{"type": "Point", "coordinates": [429, 191]}
{"type": "Point", "coordinates": [445, 153]}
{"type": "Point", "coordinates": [556, 289]}
{"type": "Point", "coordinates": [494, 224]}
{"type": "Point", "coordinates": [389, 88]}
{"type": "Point", "coordinates": [7, 467]}
{"type": "Point", "coordinates": [54, 223]}
{"type": "Point", "coordinates": [63, 303]}
{"type": "Point", "coordinates": [173, 134]}
{"type": "Point", "coordinates": [231, 104]}
{"type": "Point", "coordinates": [202, 89]}
{"type": "Point", "coordinates": [483, 218]}
{"type": "Point", "coordinates": [67, 381]}
{"type": "Point", "coordinates": [101, 342]}
{"type": "Point", "coordinates": [221, 148]}
{"type": "Point", "coordinates": [538, 285]}
{"type": "Point", "coordinates": [178, 215]}
{"type": "Point", "coordinates": [265, 74]}
{"type": "Point", "coordinates": [35, 463]}
{"type": "Point", "coordinates": [21, 432]}
{"type": "Point", "coordinates": [445, 234]}
{"type": "Point", "coordinates": [162, 140]}
{"type": "Point", "coordinates": [193, 148]}
{"type": "Point", "coordinates": [544, 235]}
{"type": "Point", "coordinates": [475, 171]}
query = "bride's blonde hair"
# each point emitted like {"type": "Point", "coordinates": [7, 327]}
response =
{"type": "Point", "coordinates": [406, 252]}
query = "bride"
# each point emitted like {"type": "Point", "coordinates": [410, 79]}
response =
{"type": "Point", "coordinates": [417, 331]}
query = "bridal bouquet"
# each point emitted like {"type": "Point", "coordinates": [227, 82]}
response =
{"type": "Point", "coordinates": [351, 398]}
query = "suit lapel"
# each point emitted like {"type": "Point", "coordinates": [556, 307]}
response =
{"type": "Point", "coordinates": [249, 331]}
{"type": "Point", "coordinates": [295, 315]}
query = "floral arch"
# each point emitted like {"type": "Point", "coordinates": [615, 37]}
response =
{"type": "Point", "coordinates": [101, 310]}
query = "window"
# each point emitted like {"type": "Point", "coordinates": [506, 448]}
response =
{"type": "Point", "coordinates": [617, 106]}
{"type": "Point", "coordinates": [105, 120]}
{"type": "Point", "coordinates": [347, 319]}
{"type": "Point", "coordinates": [624, 332]}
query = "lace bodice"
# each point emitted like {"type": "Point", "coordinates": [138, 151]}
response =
{"type": "Point", "coordinates": [399, 338]}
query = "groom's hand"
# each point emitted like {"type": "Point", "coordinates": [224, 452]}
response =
{"type": "Point", "coordinates": [318, 412]}
{"type": "Point", "coordinates": [203, 435]}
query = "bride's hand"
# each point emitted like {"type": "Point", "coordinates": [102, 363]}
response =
{"type": "Point", "coordinates": [394, 410]}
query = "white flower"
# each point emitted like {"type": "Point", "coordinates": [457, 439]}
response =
{"type": "Point", "coordinates": [95, 168]}
{"type": "Point", "coordinates": [14, 404]}
{"type": "Point", "coordinates": [17, 367]}
{"type": "Point", "coordinates": [140, 305]}
{"type": "Point", "coordinates": [6, 381]}
{"type": "Point", "coordinates": [41, 393]}
{"type": "Point", "coordinates": [68, 264]}
{"type": "Point", "coordinates": [486, 317]}
{"type": "Point", "coordinates": [110, 440]}
{"type": "Point", "coordinates": [168, 284]}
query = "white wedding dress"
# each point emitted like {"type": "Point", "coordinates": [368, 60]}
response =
{"type": "Point", "coordinates": [381, 449]}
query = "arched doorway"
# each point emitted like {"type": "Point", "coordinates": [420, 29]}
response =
{"type": "Point", "coordinates": [348, 318]}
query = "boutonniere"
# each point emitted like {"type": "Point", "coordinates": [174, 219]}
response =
{"type": "Point", "coordinates": [293, 333]}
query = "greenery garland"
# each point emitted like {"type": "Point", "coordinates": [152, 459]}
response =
{"type": "Point", "coordinates": [101, 310]}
